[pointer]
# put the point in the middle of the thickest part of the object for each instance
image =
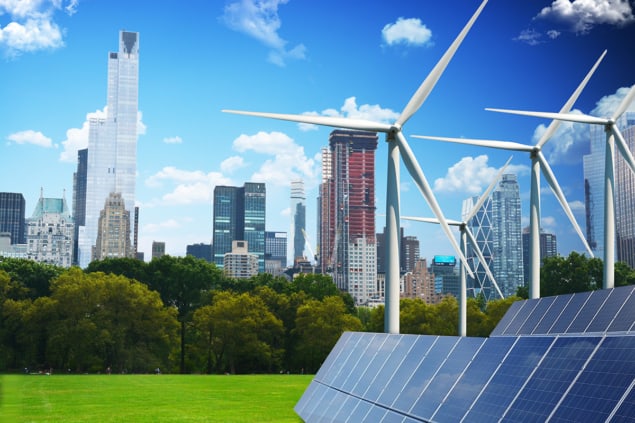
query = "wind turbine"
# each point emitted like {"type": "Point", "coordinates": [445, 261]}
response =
{"type": "Point", "coordinates": [612, 133]}
{"type": "Point", "coordinates": [468, 236]}
{"type": "Point", "coordinates": [538, 164]}
{"type": "Point", "coordinates": [397, 146]}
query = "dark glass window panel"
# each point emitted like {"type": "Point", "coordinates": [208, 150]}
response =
{"type": "Point", "coordinates": [551, 379]}
{"type": "Point", "coordinates": [536, 315]}
{"type": "Point", "coordinates": [552, 315]}
{"type": "Point", "coordinates": [474, 379]}
{"type": "Point", "coordinates": [508, 317]}
{"type": "Point", "coordinates": [374, 342]}
{"type": "Point", "coordinates": [384, 345]}
{"type": "Point", "coordinates": [570, 312]}
{"type": "Point", "coordinates": [403, 344]}
{"type": "Point", "coordinates": [589, 311]}
{"type": "Point", "coordinates": [446, 377]}
{"type": "Point", "coordinates": [508, 379]}
{"type": "Point", "coordinates": [602, 383]}
{"type": "Point", "coordinates": [612, 305]}
{"type": "Point", "coordinates": [352, 362]}
{"type": "Point", "coordinates": [521, 317]}
{"type": "Point", "coordinates": [424, 373]}
{"type": "Point", "coordinates": [337, 357]}
{"type": "Point", "coordinates": [626, 316]}
{"type": "Point", "coordinates": [407, 367]}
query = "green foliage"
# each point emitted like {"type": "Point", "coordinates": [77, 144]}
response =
{"type": "Point", "coordinates": [122, 266]}
{"type": "Point", "coordinates": [30, 275]}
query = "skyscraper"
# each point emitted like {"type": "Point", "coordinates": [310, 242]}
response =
{"type": "Point", "coordinates": [112, 143]}
{"type": "Point", "coordinates": [548, 248]}
{"type": "Point", "coordinates": [298, 218]}
{"type": "Point", "coordinates": [12, 216]}
{"type": "Point", "coordinates": [275, 252]}
{"type": "Point", "coordinates": [200, 250]}
{"type": "Point", "coordinates": [79, 198]}
{"type": "Point", "coordinates": [50, 232]}
{"type": "Point", "coordinates": [481, 227]}
{"type": "Point", "coordinates": [506, 226]}
{"type": "Point", "coordinates": [347, 224]}
{"type": "Point", "coordinates": [113, 229]}
{"type": "Point", "coordinates": [239, 215]}
{"type": "Point", "coordinates": [158, 249]}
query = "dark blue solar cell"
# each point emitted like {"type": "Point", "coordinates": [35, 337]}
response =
{"type": "Point", "coordinates": [570, 312]}
{"type": "Point", "coordinates": [446, 376]}
{"type": "Point", "coordinates": [345, 410]}
{"type": "Point", "coordinates": [329, 406]}
{"type": "Point", "coordinates": [402, 344]}
{"type": "Point", "coordinates": [352, 363]}
{"type": "Point", "coordinates": [551, 379]}
{"type": "Point", "coordinates": [360, 412]}
{"type": "Point", "coordinates": [521, 317]}
{"type": "Point", "coordinates": [392, 417]}
{"type": "Point", "coordinates": [383, 346]}
{"type": "Point", "coordinates": [337, 357]}
{"type": "Point", "coordinates": [409, 364]}
{"type": "Point", "coordinates": [626, 316]}
{"type": "Point", "coordinates": [601, 384]}
{"type": "Point", "coordinates": [355, 373]}
{"type": "Point", "coordinates": [613, 304]}
{"type": "Point", "coordinates": [552, 315]}
{"type": "Point", "coordinates": [589, 311]}
{"type": "Point", "coordinates": [508, 378]}
{"type": "Point", "coordinates": [536, 315]}
{"type": "Point", "coordinates": [419, 380]}
{"type": "Point", "coordinates": [307, 398]}
{"type": "Point", "coordinates": [626, 410]}
{"type": "Point", "coordinates": [474, 379]}
{"type": "Point", "coordinates": [507, 318]}
{"type": "Point", "coordinates": [313, 405]}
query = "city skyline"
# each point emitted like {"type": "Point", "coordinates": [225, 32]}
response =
{"type": "Point", "coordinates": [291, 64]}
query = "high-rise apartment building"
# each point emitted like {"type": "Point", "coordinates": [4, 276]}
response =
{"type": "Point", "coordinates": [50, 232]}
{"type": "Point", "coordinates": [408, 252]}
{"type": "Point", "coordinates": [113, 229]}
{"type": "Point", "coordinates": [12, 216]}
{"type": "Point", "coordinates": [112, 143]}
{"type": "Point", "coordinates": [275, 252]}
{"type": "Point", "coordinates": [298, 218]}
{"type": "Point", "coordinates": [625, 196]}
{"type": "Point", "coordinates": [79, 198]}
{"type": "Point", "coordinates": [239, 215]}
{"type": "Point", "coordinates": [239, 262]}
{"type": "Point", "coordinates": [201, 250]}
{"type": "Point", "coordinates": [548, 248]}
{"type": "Point", "coordinates": [446, 276]}
{"type": "Point", "coordinates": [508, 244]}
{"type": "Point", "coordinates": [158, 249]}
{"type": "Point", "coordinates": [347, 215]}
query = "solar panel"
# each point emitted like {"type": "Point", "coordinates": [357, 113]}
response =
{"type": "Point", "coordinates": [589, 311]}
{"type": "Point", "coordinates": [536, 315]}
{"type": "Point", "coordinates": [520, 318]}
{"type": "Point", "coordinates": [569, 313]}
{"type": "Point", "coordinates": [551, 316]}
{"type": "Point", "coordinates": [626, 410]}
{"type": "Point", "coordinates": [508, 317]}
{"type": "Point", "coordinates": [625, 318]}
{"type": "Point", "coordinates": [614, 302]}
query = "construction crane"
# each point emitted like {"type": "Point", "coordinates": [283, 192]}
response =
{"type": "Point", "coordinates": [308, 244]}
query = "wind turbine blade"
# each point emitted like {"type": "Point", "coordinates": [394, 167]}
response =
{"type": "Point", "coordinates": [337, 122]}
{"type": "Point", "coordinates": [417, 175]}
{"type": "Point", "coordinates": [555, 187]}
{"type": "Point", "coordinates": [623, 147]}
{"type": "Point", "coordinates": [570, 117]}
{"type": "Point", "coordinates": [481, 259]}
{"type": "Point", "coordinates": [489, 189]}
{"type": "Point", "coordinates": [428, 84]}
{"type": "Point", "coordinates": [625, 103]}
{"type": "Point", "coordinates": [503, 145]}
{"type": "Point", "coordinates": [431, 220]}
{"type": "Point", "coordinates": [553, 126]}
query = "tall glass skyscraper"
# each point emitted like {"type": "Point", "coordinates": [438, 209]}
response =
{"type": "Point", "coordinates": [508, 244]}
{"type": "Point", "coordinates": [239, 215]}
{"type": "Point", "coordinates": [12, 216]}
{"type": "Point", "coordinates": [481, 227]}
{"type": "Point", "coordinates": [112, 143]}
{"type": "Point", "coordinates": [298, 218]}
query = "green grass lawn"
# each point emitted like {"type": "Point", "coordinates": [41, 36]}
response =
{"type": "Point", "coordinates": [150, 398]}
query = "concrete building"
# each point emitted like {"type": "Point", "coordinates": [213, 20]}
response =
{"type": "Point", "coordinates": [158, 249]}
{"type": "Point", "coordinates": [240, 263]}
{"type": "Point", "coordinates": [113, 236]}
{"type": "Point", "coordinates": [548, 248]}
{"type": "Point", "coordinates": [298, 219]}
{"type": "Point", "coordinates": [50, 233]}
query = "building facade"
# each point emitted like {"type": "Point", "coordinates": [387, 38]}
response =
{"type": "Point", "coordinates": [548, 248]}
{"type": "Point", "coordinates": [50, 233]}
{"type": "Point", "coordinates": [446, 276]}
{"type": "Point", "coordinates": [298, 218]}
{"type": "Point", "coordinates": [12, 216]}
{"type": "Point", "coordinates": [201, 250]}
{"type": "Point", "coordinates": [239, 215]}
{"type": "Point", "coordinates": [112, 143]}
{"type": "Point", "coordinates": [481, 226]}
{"type": "Point", "coordinates": [113, 235]}
{"type": "Point", "coordinates": [158, 249]}
{"type": "Point", "coordinates": [79, 198]}
{"type": "Point", "coordinates": [239, 262]}
{"type": "Point", "coordinates": [275, 252]}
{"type": "Point", "coordinates": [347, 224]}
{"type": "Point", "coordinates": [625, 197]}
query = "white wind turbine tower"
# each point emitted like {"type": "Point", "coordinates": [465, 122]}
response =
{"type": "Point", "coordinates": [538, 163]}
{"type": "Point", "coordinates": [397, 146]}
{"type": "Point", "coordinates": [468, 236]}
{"type": "Point", "coordinates": [612, 134]}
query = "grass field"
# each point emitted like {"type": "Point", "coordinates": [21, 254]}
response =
{"type": "Point", "coordinates": [150, 398]}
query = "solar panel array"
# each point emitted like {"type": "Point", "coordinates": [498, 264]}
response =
{"type": "Point", "coordinates": [568, 358]}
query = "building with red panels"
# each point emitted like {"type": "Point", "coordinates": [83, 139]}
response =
{"type": "Point", "coordinates": [346, 224]}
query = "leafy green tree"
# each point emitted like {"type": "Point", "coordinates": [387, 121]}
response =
{"type": "Point", "coordinates": [183, 283]}
{"type": "Point", "coordinates": [31, 275]}
{"type": "Point", "coordinates": [414, 316]}
{"type": "Point", "coordinates": [319, 324]}
{"type": "Point", "coordinates": [122, 266]}
{"type": "Point", "coordinates": [13, 344]}
{"type": "Point", "coordinates": [376, 321]}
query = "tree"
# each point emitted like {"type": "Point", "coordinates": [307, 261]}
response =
{"type": "Point", "coordinates": [319, 324]}
{"type": "Point", "coordinates": [30, 274]}
{"type": "Point", "coordinates": [182, 283]}
{"type": "Point", "coordinates": [123, 266]}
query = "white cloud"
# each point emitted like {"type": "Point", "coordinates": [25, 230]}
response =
{"type": "Point", "coordinates": [469, 175]}
{"type": "Point", "coordinates": [582, 15]}
{"type": "Point", "coordinates": [289, 159]}
{"type": "Point", "coordinates": [31, 137]}
{"type": "Point", "coordinates": [156, 227]}
{"type": "Point", "coordinates": [187, 187]}
{"type": "Point", "coordinates": [232, 163]}
{"type": "Point", "coordinates": [350, 109]}
{"type": "Point", "coordinates": [32, 26]}
{"type": "Point", "coordinates": [529, 36]}
{"type": "Point", "coordinates": [407, 31]}
{"type": "Point", "coordinates": [577, 206]}
{"type": "Point", "coordinates": [260, 20]}
{"type": "Point", "coordinates": [173, 140]}
{"type": "Point", "coordinates": [607, 105]}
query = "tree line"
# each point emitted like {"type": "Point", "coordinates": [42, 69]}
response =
{"type": "Point", "coordinates": [181, 314]}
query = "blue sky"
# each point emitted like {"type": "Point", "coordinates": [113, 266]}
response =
{"type": "Point", "coordinates": [353, 58]}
